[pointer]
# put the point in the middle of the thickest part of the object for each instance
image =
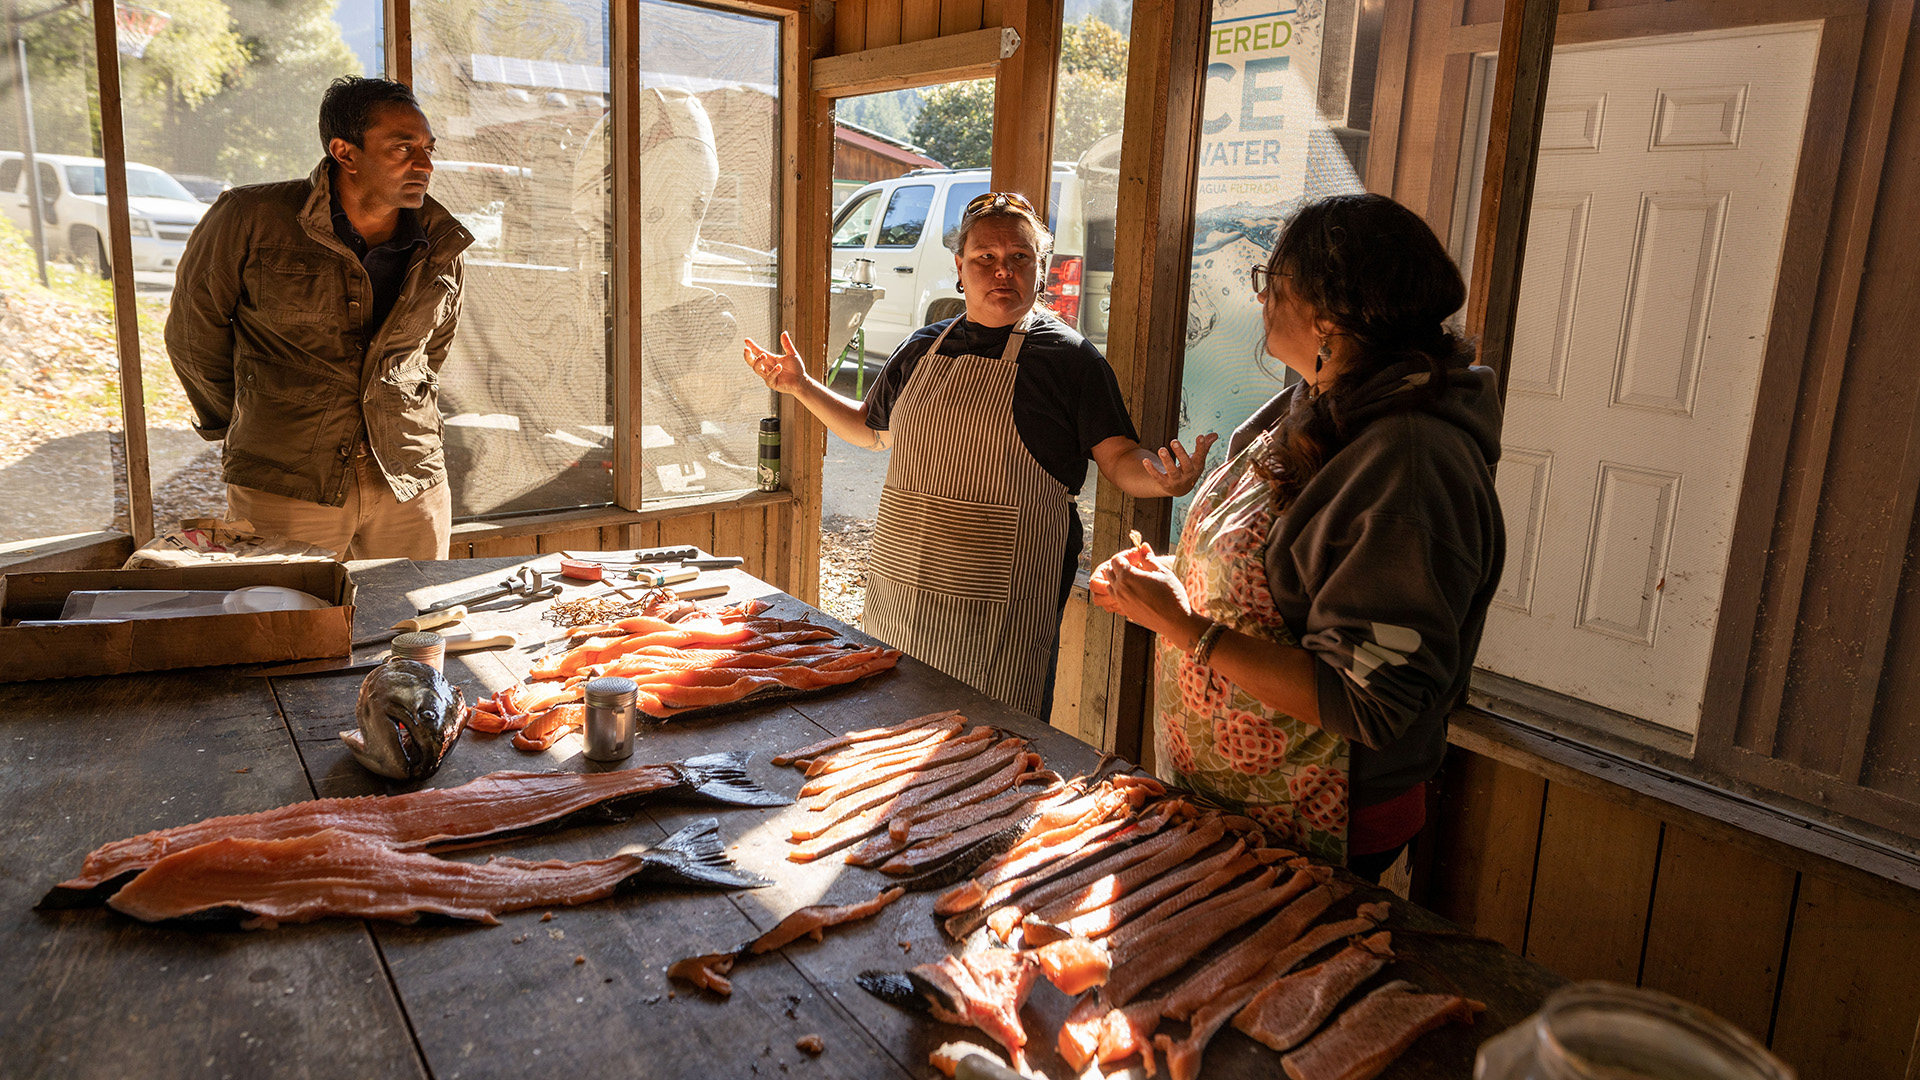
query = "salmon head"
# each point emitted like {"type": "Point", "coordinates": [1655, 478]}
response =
{"type": "Point", "coordinates": [409, 717]}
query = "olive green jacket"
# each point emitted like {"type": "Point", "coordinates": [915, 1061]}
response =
{"type": "Point", "coordinates": [267, 335]}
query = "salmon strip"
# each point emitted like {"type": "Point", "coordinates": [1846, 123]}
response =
{"type": "Point", "coordinates": [813, 921]}
{"type": "Point", "coordinates": [869, 735]}
{"type": "Point", "coordinates": [887, 763]}
{"type": "Point", "coordinates": [986, 787]}
{"type": "Point", "coordinates": [1135, 862]}
{"type": "Point", "coordinates": [707, 972]}
{"type": "Point", "coordinates": [884, 846]}
{"type": "Point", "coordinates": [916, 787]}
{"type": "Point", "coordinates": [921, 856]}
{"type": "Point", "coordinates": [1144, 962]}
{"type": "Point", "coordinates": [1197, 897]}
{"type": "Point", "coordinates": [639, 624]}
{"type": "Point", "coordinates": [1006, 875]}
{"type": "Point", "coordinates": [855, 756]}
{"type": "Point", "coordinates": [851, 828]}
{"type": "Point", "coordinates": [580, 657]}
{"type": "Point", "coordinates": [1272, 951]}
{"type": "Point", "coordinates": [304, 878]}
{"type": "Point", "coordinates": [987, 989]}
{"type": "Point", "coordinates": [1184, 1055]}
{"type": "Point", "coordinates": [1006, 762]}
{"type": "Point", "coordinates": [967, 745]}
{"type": "Point", "coordinates": [1289, 1009]}
{"type": "Point", "coordinates": [1095, 1032]}
{"type": "Point", "coordinates": [1376, 1030]}
{"type": "Point", "coordinates": [550, 727]}
{"type": "Point", "coordinates": [1100, 921]}
{"type": "Point", "coordinates": [798, 678]}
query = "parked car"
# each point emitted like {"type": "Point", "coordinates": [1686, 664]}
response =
{"type": "Point", "coordinates": [892, 223]}
{"type": "Point", "coordinates": [73, 210]}
{"type": "Point", "coordinates": [204, 188]}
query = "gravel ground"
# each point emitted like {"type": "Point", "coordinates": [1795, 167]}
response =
{"type": "Point", "coordinates": [844, 543]}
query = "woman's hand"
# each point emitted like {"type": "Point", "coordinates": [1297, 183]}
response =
{"type": "Point", "coordinates": [1142, 588]}
{"type": "Point", "coordinates": [1145, 474]}
{"type": "Point", "coordinates": [783, 371]}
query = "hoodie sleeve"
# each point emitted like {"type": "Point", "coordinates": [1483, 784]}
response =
{"type": "Point", "coordinates": [1395, 568]}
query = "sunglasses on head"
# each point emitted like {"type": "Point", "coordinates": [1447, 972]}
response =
{"type": "Point", "coordinates": [999, 200]}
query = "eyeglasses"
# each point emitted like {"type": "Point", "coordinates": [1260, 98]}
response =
{"type": "Point", "coordinates": [1262, 278]}
{"type": "Point", "coordinates": [999, 200]}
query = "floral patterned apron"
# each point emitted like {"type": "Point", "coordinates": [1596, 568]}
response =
{"type": "Point", "coordinates": [1213, 736]}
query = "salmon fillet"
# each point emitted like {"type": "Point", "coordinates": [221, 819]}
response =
{"type": "Point", "coordinates": [1376, 1030]}
{"type": "Point", "coordinates": [304, 878]}
{"type": "Point", "coordinates": [1290, 1008]}
{"type": "Point", "coordinates": [910, 789]}
{"type": "Point", "coordinates": [1244, 960]}
{"type": "Point", "coordinates": [1111, 876]}
{"type": "Point", "coordinates": [1141, 963]}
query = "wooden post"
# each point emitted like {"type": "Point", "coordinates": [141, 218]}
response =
{"type": "Point", "coordinates": [1506, 193]}
{"type": "Point", "coordinates": [806, 190]}
{"type": "Point", "coordinates": [1023, 100]}
{"type": "Point", "coordinates": [624, 302]}
{"type": "Point", "coordinates": [1154, 228]}
{"type": "Point", "coordinates": [399, 43]}
{"type": "Point", "coordinates": [126, 316]}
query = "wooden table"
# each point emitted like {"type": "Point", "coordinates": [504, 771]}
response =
{"type": "Point", "coordinates": [581, 993]}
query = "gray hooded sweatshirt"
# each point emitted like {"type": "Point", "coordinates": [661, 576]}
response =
{"type": "Point", "coordinates": [1384, 566]}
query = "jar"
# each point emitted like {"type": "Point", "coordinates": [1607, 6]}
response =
{"type": "Point", "coordinates": [610, 718]}
{"type": "Point", "coordinates": [1605, 1031]}
{"type": "Point", "coordinates": [423, 645]}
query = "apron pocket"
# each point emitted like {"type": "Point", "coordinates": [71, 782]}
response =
{"type": "Point", "coordinates": [951, 546]}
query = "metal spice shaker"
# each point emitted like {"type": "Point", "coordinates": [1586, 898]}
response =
{"type": "Point", "coordinates": [423, 645]}
{"type": "Point", "coordinates": [610, 718]}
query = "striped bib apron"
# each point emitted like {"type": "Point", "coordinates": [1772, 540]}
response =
{"type": "Point", "coordinates": [972, 531]}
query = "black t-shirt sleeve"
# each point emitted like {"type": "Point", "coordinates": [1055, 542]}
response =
{"type": "Point", "coordinates": [893, 377]}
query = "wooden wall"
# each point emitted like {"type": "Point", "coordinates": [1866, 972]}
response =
{"type": "Point", "coordinates": [1573, 879]}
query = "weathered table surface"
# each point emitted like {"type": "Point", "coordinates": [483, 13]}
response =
{"type": "Point", "coordinates": [576, 992]}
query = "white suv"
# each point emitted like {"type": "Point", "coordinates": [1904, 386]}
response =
{"type": "Point", "coordinates": [73, 204]}
{"type": "Point", "coordinates": [904, 225]}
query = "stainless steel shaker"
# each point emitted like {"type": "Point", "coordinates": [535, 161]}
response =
{"type": "Point", "coordinates": [610, 718]}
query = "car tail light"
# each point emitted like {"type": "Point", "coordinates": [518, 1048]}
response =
{"type": "Point", "coordinates": [1063, 289]}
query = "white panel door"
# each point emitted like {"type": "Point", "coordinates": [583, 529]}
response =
{"type": "Point", "coordinates": [1666, 172]}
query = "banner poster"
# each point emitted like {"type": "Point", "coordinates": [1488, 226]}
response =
{"type": "Point", "coordinates": [1264, 150]}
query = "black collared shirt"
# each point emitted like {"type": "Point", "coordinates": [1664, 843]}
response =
{"type": "Point", "coordinates": [386, 264]}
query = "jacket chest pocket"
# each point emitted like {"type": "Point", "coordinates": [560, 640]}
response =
{"type": "Point", "coordinates": [296, 285]}
{"type": "Point", "coordinates": [421, 315]}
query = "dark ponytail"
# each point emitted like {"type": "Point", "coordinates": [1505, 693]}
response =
{"type": "Point", "coordinates": [1373, 269]}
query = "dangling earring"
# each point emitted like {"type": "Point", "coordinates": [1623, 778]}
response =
{"type": "Point", "coordinates": [1320, 358]}
{"type": "Point", "coordinates": [960, 286]}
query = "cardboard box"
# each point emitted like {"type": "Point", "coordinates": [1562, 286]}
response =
{"type": "Point", "coordinates": [113, 648]}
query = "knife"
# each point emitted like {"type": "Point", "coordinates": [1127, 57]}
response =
{"type": "Point", "coordinates": [456, 643]}
{"type": "Point", "coordinates": [444, 617]}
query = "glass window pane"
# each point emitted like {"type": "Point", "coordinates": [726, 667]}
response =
{"type": "Point", "coordinates": [856, 222]}
{"type": "Point", "coordinates": [62, 451]}
{"type": "Point", "coordinates": [709, 275]}
{"type": "Point", "coordinates": [906, 216]}
{"type": "Point", "coordinates": [958, 196]}
{"type": "Point", "coordinates": [1283, 123]}
{"type": "Point", "coordinates": [215, 103]}
{"type": "Point", "coordinates": [517, 95]}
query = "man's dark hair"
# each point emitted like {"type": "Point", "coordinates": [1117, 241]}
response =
{"type": "Point", "coordinates": [347, 107]}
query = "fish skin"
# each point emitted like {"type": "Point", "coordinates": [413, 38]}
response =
{"type": "Point", "coordinates": [409, 718]}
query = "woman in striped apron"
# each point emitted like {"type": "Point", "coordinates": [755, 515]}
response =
{"type": "Point", "coordinates": [1320, 616]}
{"type": "Point", "coordinates": [991, 418]}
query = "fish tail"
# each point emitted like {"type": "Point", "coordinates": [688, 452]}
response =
{"type": "Point", "coordinates": [693, 856]}
{"type": "Point", "coordinates": [723, 778]}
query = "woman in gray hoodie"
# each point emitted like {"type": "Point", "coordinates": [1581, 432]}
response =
{"type": "Point", "coordinates": [1320, 616]}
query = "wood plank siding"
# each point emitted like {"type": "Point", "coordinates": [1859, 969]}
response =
{"type": "Point", "coordinates": [1815, 970]}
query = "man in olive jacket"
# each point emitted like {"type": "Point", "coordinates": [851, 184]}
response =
{"type": "Point", "coordinates": [310, 320]}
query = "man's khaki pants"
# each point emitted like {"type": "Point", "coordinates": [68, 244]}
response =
{"type": "Point", "coordinates": [371, 524]}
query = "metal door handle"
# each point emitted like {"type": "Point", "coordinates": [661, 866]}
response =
{"type": "Point", "coordinates": [903, 269]}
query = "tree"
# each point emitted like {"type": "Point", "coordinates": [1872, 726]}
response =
{"type": "Point", "coordinates": [1092, 97]}
{"type": "Point", "coordinates": [955, 124]}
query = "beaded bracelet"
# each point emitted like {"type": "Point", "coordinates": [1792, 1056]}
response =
{"type": "Point", "coordinates": [1203, 645]}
